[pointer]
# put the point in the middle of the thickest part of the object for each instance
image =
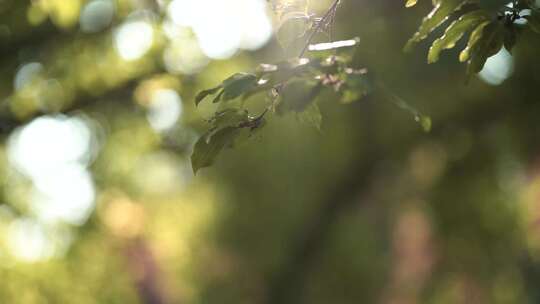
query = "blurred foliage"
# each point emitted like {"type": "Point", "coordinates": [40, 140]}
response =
{"type": "Point", "coordinates": [332, 193]}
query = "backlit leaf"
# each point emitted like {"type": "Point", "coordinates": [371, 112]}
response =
{"type": "Point", "coordinates": [490, 40]}
{"type": "Point", "coordinates": [475, 37]}
{"type": "Point", "coordinates": [226, 119]}
{"type": "Point", "coordinates": [425, 122]}
{"type": "Point", "coordinates": [205, 152]}
{"type": "Point", "coordinates": [455, 32]}
{"type": "Point", "coordinates": [434, 19]}
{"type": "Point", "coordinates": [410, 3]}
{"type": "Point", "coordinates": [237, 85]}
{"type": "Point", "coordinates": [291, 31]}
{"type": "Point", "coordinates": [203, 94]}
{"type": "Point", "coordinates": [217, 98]}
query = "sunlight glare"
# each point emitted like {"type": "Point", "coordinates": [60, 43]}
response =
{"type": "Point", "coordinates": [165, 109]}
{"type": "Point", "coordinates": [224, 27]}
{"type": "Point", "coordinates": [333, 45]}
{"type": "Point", "coordinates": [183, 55]}
{"type": "Point", "coordinates": [134, 39]}
{"type": "Point", "coordinates": [28, 241]}
{"type": "Point", "coordinates": [47, 142]}
{"type": "Point", "coordinates": [68, 195]}
{"type": "Point", "coordinates": [26, 74]}
{"type": "Point", "coordinates": [53, 152]}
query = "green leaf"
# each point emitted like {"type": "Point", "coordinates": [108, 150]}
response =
{"type": "Point", "coordinates": [237, 85]}
{"type": "Point", "coordinates": [311, 116]}
{"type": "Point", "coordinates": [232, 87]}
{"type": "Point", "coordinates": [226, 119]}
{"type": "Point", "coordinates": [203, 94]}
{"type": "Point", "coordinates": [205, 152]}
{"type": "Point", "coordinates": [488, 42]}
{"type": "Point", "coordinates": [293, 27]}
{"type": "Point", "coordinates": [434, 19]}
{"type": "Point", "coordinates": [218, 97]}
{"type": "Point", "coordinates": [425, 122]}
{"type": "Point", "coordinates": [410, 3]}
{"type": "Point", "coordinates": [227, 126]}
{"type": "Point", "coordinates": [475, 37]}
{"type": "Point", "coordinates": [455, 32]}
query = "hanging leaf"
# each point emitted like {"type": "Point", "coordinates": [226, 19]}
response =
{"type": "Point", "coordinates": [292, 32]}
{"type": "Point", "coordinates": [218, 97]}
{"type": "Point", "coordinates": [225, 127]}
{"type": "Point", "coordinates": [475, 37]}
{"type": "Point", "coordinates": [434, 19]}
{"type": "Point", "coordinates": [237, 85]}
{"type": "Point", "coordinates": [488, 40]}
{"type": "Point", "coordinates": [205, 152]}
{"type": "Point", "coordinates": [231, 88]}
{"type": "Point", "coordinates": [226, 119]}
{"type": "Point", "coordinates": [203, 94]}
{"type": "Point", "coordinates": [425, 122]}
{"type": "Point", "coordinates": [410, 3]}
{"type": "Point", "coordinates": [455, 32]}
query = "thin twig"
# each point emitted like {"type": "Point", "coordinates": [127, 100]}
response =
{"type": "Point", "coordinates": [328, 13]}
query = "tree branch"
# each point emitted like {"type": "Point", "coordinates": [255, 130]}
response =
{"type": "Point", "coordinates": [331, 11]}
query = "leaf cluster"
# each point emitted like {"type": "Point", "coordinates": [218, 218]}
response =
{"type": "Point", "coordinates": [290, 86]}
{"type": "Point", "coordinates": [488, 24]}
